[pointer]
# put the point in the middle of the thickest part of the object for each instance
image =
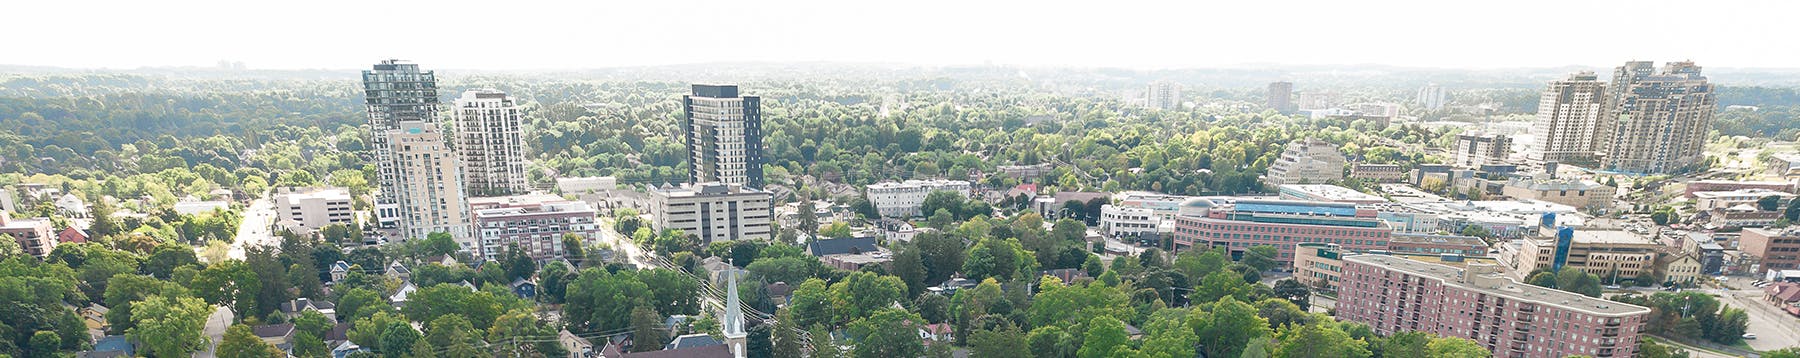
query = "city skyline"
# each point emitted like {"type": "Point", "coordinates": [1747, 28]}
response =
{"type": "Point", "coordinates": [1420, 34]}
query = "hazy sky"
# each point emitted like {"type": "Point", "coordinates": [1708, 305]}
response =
{"type": "Point", "coordinates": [505, 35]}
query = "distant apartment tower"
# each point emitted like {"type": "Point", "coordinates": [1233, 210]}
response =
{"type": "Point", "coordinates": [1568, 117]}
{"type": "Point", "coordinates": [1659, 119]}
{"type": "Point", "coordinates": [1431, 97]}
{"type": "Point", "coordinates": [487, 133]}
{"type": "Point", "coordinates": [1474, 150]}
{"type": "Point", "coordinates": [1163, 95]}
{"type": "Point", "coordinates": [1306, 161]}
{"type": "Point", "coordinates": [724, 136]}
{"type": "Point", "coordinates": [419, 176]}
{"type": "Point", "coordinates": [1507, 317]}
{"type": "Point", "coordinates": [713, 212]}
{"type": "Point", "coordinates": [903, 199]}
{"type": "Point", "coordinates": [1281, 96]}
{"type": "Point", "coordinates": [536, 222]}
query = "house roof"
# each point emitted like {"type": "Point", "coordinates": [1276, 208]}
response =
{"type": "Point", "coordinates": [1786, 292]}
{"type": "Point", "coordinates": [842, 246]}
{"type": "Point", "coordinates": [340, 266]}
{"type": "Point", "coordinates": [273, 330]}
{"type": "Point", "coordinates": [712, 351]}
{"type": "Point", "coordinates": [338, 332]}
{"type": "Point", "coordinates": [692, 341]}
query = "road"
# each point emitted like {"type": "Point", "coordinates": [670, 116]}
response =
{"type": "Point", "coordinates": [215, 331]}
{"type": "Point", "coordinates": [1774, 329]}
{"type": "Point", "coordinates": [254, 230]}
{"type": "Point", "coordinates": [622, 245]}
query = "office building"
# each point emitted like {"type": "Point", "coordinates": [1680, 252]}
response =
{"type": "Point", "coordinates": [1658, 120]}
{"type": "Point", "coordinates": [1163, 95]}
{"type": "Point", "coordinates": [1507, 317]}
{"type": "Point", "coordinates": [1325, 192]}
{"type": "Point", "coordinates": [419, 177]}
{"type": "Point", "coordinates": [35, 235]}
{"type": "Point", "coordinates": [1281, 96]}
{"type": "Point", "coordinates": [724, 136]}
{"type": "Point", "coordinates": [1478, 149]}
{"type": "Point", "coordinates": [1772, 249]}
{"type": "Point", "coordinates": [713, 212]}
{"type": "Point", "coordinates": [1578, 193]}
{"type": "Point", "coordinates": [1568, 114]}
{"type": "Point", "coordinates": [305, 210]}
{"type": "Point", "coordinates": [1611, 254]}
{"type": "Point", "coordinates": [536, 222]}
{"type": "Point", "coordinates": [1709, 200]}
{"type": "Point", "coordinates": [903, 199]}
{"type": "Point", "coordinates": [1431, 97]}
{"type": "Point", "coordinates": [488, 125]}
{"type": "Point", "coordinates": [1127, 222]}
{"type": "Point", "coordinates": [1242, 224]}
{"type": "Point", "coordinates": [1306, 161]}
{"type": "Point", "coordinates": [1379, 173]}
{"type": "Point", "coordinates": [1319, 265]}
{"type": "Point", "coordinates": [1436, 244]}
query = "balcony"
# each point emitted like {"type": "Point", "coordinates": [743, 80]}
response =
{"type": "Point", "coordinates": [1528, 309]}
{"type": "Point", "coordinates": [1612, 323]}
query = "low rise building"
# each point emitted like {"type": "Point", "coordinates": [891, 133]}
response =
{"type": "Point", "coordinates": [1433, 244]}
{"type": "Point", "coordinates": [1507, 317]}
{"type": "Point", "coordinates": [1682, 268]}
{"type": "Point", "coordinates": [1709, 200]}
{"type": "Point", "coordinates": [1326, 192]}
{"type": "Point", "coordinates": [583, 185]}
{"type": "Point", "coordinates": [1610, 254]}
{"type": "Point", "coordinates": [1318, 265]}
{"type": "Point", "coordinates": [903, 199]}
{"type": "Point", "coordinates": [1784, 165]}
{"type": "Point", "coordinates": [304, 210]}
{"type": "Point", "coordinates": [1243, 224]}
{"type": "Point", "coordinates": [1774, 249]}
{"type": "Point", "coordinates": [536, 222]}
{"type": "Point", "coordinates": [849, 254]}
{"type": "Point", "coordinates": [1379, 173]}
{"type": "Point", "coordinates": [1740, 216]}
{"type": "Point", "coordinates": [1729, 185]}
{"type": "Point", "coordinates": [34, 235]}
{"type": "Point", "coordinates": [1572, 192]}
{"type": "Point", "coordinates": [1128, 223]}
{"type": "Point", "coordinates": [714, 212]}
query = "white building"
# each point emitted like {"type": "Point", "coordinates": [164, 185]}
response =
{"type": "Point", "coordinates": [1163, 95]}
{"type": "Point", "coordinates": [1307, 161]}
{"type": "Point", "coordinates": [713, 211]}
{"type": "Point", "coordinates": [586, 184]}
{"type": "Point", "coordinates": [1326, 192]}
{"type": "Point", "coordinates": [1431, 97]}
{"type": "Point", "coordinates": [1708, 200]}
{"type": "Point", "coordinates": [1119, 222]}
{"type": "Point", "coordinates": [1568, 115]}
{"type": "Point", "coordinates": [536, 222]}
{"type": "Point", "coordinates": [309, 209]}
{"type": "Point", "coordinates": [487, 137]}
{"type": "Point", "coordinates": [903, 199]}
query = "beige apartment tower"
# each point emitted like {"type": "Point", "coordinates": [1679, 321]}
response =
{"type": "Point", "coordinates": [1658, 119]}
{"type": "Point", "coordinates": [487, 137]}
{"type": "Point", "coordinates": [1569, 113]}
{"type": "Point", "coordinates": [419, 177]}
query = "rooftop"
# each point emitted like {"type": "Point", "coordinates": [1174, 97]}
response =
{"type": "Point", "coordinates": [1329, 192]}
{"type": "Point", "coordinates": [916, 183]}
{"type": "Point", "coordinates": [1742, 192]}
{"type": "Point", "coordinates": [842, 246]}
{"type": "Point", "coordinates": [1554, 184]}
{"type": "Point", "coordinates": [1499, 285]}
{"type": "Point", "coordinates": [705, 189]}
{"type": "Point", "coordinates": [328, 193]}
{"type": "Point", "coordinates": [1610, 237]}
{"type": "Point", "coordinates": [1436, 239]}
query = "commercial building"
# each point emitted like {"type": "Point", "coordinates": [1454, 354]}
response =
{"type": "Point", "coordinates": [1709, 200]}
{"type": "Point", "coordinates": [1507, 317]}
{"type": "Point", "coordinates": [487, 136]}
{"type": "Point", "coordinates": [903, 199]}
{"type": "Point", "coordinates": [418, 175]}
{"type": "Point", "coordinates": [1307, 161]}
{"type": "Point", "coordinates": [1730, 185]}
{"type": "Point", "coordinates": [34, 235]}
{"type": "Point", "coordinates": [1319, 265]}
{"type": "Point", "coordinates": [1128, 222]}
{"type": "Point", "coordinates": [1579, 193]}
{"type": "Point", "coordinates": [1281, 96]}
{"type": "Point", "coordinates": [1431, 97]}
{"type": "Point", "coordinates": [1379, 173]}
{"type": "Point", "coordinates": [724, 136]}
{"type": "Point", "coordinates": [1610, 254]}
{"type": "Point", "coordinates": [536, 222]}
{"type": "Point", "coordinates": [1774, 249]}
{"type": "Point", "coordinates": [1243, 224]}
{"type": "Point", "coordinates": [1326, 192]}
{"type": "Point", "coordinates": [1781, 165]}
{"type": "Point", "coordinates": [1163, 95]}
{"type": "Point", "coordinates": [1478, 149]}
{"type": "Point", "coordinates": [850, 253]}
{"type": "Point", "coordinates": [1658, 120]}
{"type": "Point", "coordinates": [1568, 115]}
{"type": "Point", "coordinates": [713, 212]}
{"type": "Point", "coordinates": [1433, 244]}
{"type": "Point", "coordinates": [303, 210]}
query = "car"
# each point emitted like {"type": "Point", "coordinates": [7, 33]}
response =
{"type": "Point", "coordinates": [1749, 336]}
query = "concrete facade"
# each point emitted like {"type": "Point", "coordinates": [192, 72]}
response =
{"type": "Point", "coordinates": [536, 222]}
{"type": "Point", "coordinates": [903, 199]}
{"type": "Point", "coordinates": [714, 211]}
{"type": "Point", "coordinates": [303, 210]}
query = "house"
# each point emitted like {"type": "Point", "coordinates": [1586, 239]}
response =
{"type": "Point", "coordinates": [399, 296]}
{"type": "Point", "coordinates": [71, 206]}
{"type": "Point", "coordinates": [278, 335]}
{"type": "Point", "coordinates": [294, 308]}
{"type": "Point", "coordinates": [110, 346]}
{"type": "Point", "coordinates": [397, 270]}
{"type": "Point", "coordinates": [1067, 275]}
{"type": "Point", "coordinates": [345, 348]}
{"type": "Point", "coordinates": [468, 285]}
{"type": "Point", "coordinates": [445, 260]}
{"type": "Point", "coordinates": [72, 235]}
{"type": "Point", "coordinates": [1783, 294]}
{"type": "Point", "coordinates": [577, 346]}
{"type": "Point", "coordinates": [94, 315]}
{"type": "Point", "coordinates": [523, 288]}
{"type": "Point", "coordinates": [935, 333]}
{"type": "Point", "coordinates": [849, 254]}
{"type": "Point", "coordinates": [338, 270]}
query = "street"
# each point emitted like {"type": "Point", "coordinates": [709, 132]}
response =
{"type": "Point", "coordinates": [1774, 329]}
{"type": "Point", "coordinates": [254, 230]}
{"type": "Point", "coordinates": [215, 331]}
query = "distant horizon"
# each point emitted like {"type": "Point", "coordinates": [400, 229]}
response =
{"type": "Point", "coordinates": [1241, 66]}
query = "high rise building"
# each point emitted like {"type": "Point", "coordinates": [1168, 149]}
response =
{"type": "Point", "coordinates": [419, 177]}
{"type": "Point", "coordinates": [1507, 317]}
{"type": "Point", "coordinates": [1658, 120]}
{"type": "Point", "coordinates": [487, 137]}
{"type": "Point", "coordinates": [1474, 150]}
{"type": "Point", "coordinates": [1163, 95]}
{"type": "Point", "coordinates": [1306, 161]}
{"type": "Point", "coordinates": [1568, 117]}
{"type": "Point", "coordinates": [1281, 96]}
{"type": "Point", "coordinates": [1431, 97]}
{"type": "Point", "coordinates": [724, 136]}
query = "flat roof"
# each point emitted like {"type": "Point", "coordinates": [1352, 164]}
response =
{"type": "Point", "coordinates": [1436, 239]}
{"type": "Point", "coordinates": [1331, 192]}
{"type": "Point", "coordinates": [1751, 191]}
{"type": "Point", "coordinates": [1506, 287]}
{"type": "Point", "coordinates": [1610, 237]}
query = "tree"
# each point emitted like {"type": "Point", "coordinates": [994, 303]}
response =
{"type": "Point", "coordinates": [1280, 312]}
{"type": "Point", "coordinates": [1007, 341]}
{"type": "Point", "coordinates": [825, 347]}
{"type": "Point", "coordinates": [837, 230]}
{"type": "Point", "coordinates": [553, 282]}
{"type": "Point", "coordinates": [1649, 348]}
{"type": "Point", "coordinates": [43, 344]}
{"type": "Point", "coordinates": [1223, 283]}
{"type": "Point", "coordinates": [1103, 334]}
{"type": "Point", "coordinates": [1226, 326]}
{"type": "Point", "coordinates": [519, 325]}
{"type": "Point", "coordinates": [909, 266]}
{"type": "Point", "coordinates": [1729, 326]}
{"type": "Point", "coordinates": [1262, 257]}
{"type": "Point", "coordinates": [1405, 344]}
{"type": "Point", "coordinates": [863, 293]}
{"type": "Point", "coordinates": [1319, 340]}
{"type": "Point", "coordinates": [311, 321]}
{"type": "Point", "coordinates": [427, 304]}
{"type": "Point", "coordinates": [166, 258]}
{"type": "Point", "coordinates": [809, 217]}
{"type": "Point", "coordinates": [646, 328]}
{"type": "Point", "coordinates": [812, 303]}
{"type": "Point", "coordinates": [438, 243]}
{"type": "Point", "coordinates": [1455, 347]}
{"type": "Point", "coordinates": [1793, 210]}
{"type": "Point", "coordinates": [169, 326]}
{"type": "Point", "coordinates": [239, 342]}
{"type": "Point", "coordinates": [1543, 279]}
{"type": "Point", "coordinates": [1051, 342]}
{"type": "Point", "coordinates": [308, 345]}
{"type": "Point", "coordinates": [1768, 203]}
{"type": "Point", "coordinates": [1575, 280]}
{"type": "Point", "coordinates": [397, 340]}
{"type": "Point", "coordinates": [231, 284]}
{"type": "Point", "coordinates": [879, 334]}
{"type": "Point", "coordinates": [949, 201]}
{"type": "Point", "coordinates": [360, 303]}
{"type": "Point", "coordinates": [943, 255]}
{"type": "Point", "coordinates": [1294, 291]}
{"type": "Point", "coordinates": [784, 337]}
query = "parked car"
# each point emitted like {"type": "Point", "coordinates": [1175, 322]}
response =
{"type": "Point", "coordinates": [1749, 336]}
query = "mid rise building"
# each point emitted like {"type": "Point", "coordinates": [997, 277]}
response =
{"type": "Point", "coordinates": [1578, 193]}
{"type": "Point", "coordinates": [1435, 244]}
{"type": "Point", "coordinates": [1379, 173]}
{"type": "Point", "coordinates": [903, 199]}
{"type": "Point", "coordinates": [724, 136]}
{"type": "Point", "coordinates": [1568, 115]}
{"type": "Point", "coordinates": [714, 212]}
{"type": "Point", "coordinates": [1709, 200]}
{"type": "Point", "coordinates": [1163, 95]}
{"type": "Point", "coordinates": [488, 125]}
{"type": "Point", "coordinates": [1127, 222]}
{"type": "Point", "coordinates": [1319, 265]}
{"type": "Point", "coordinates": [1658, 120]}
{"type": "Point", "coordinates": [1243, 224]}
{"type": "Point", "coordinates": [536, 222]}
{"type": "Point", "coordinates": [1507, 317]}
{"type": "Point", "coordinates": [1611, 254]}
{"type": "Point", "coordinates": [1326, 192]}
{"type": "Point", "coordinates": [1431, 97]}
{"type": "Point", "coordinates": [1773, 249]}
{"type": "Point", "coordinates": [1281, 96]}
{"type": "Point", "coordinates": [419, 177]}
{"type": "Point", "coordinates": [1477, 149]}
{"type": "Point", "coordinates": [34, 235]}
{"type": "Point", "coordinates": [304, 210]}
{"type": "Point", "coordinates": [1306, 161]}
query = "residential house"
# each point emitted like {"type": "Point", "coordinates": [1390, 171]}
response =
{"type": "Point", "coordinates": [524, 288]}
{"type": "Point", "coordinates": [399, 271]}
{"type": "Point", "coordinates": [339, 270]}
{"type": "Point", "coordinates": [293, 308]}
{"type": "Point", "coordinates": [936, 333]}
{"type": "Point", "coordinates": [278, 335]}
{"type": "Point", "coordinates": [577, 346]}
{"type": "Point", "coordinates": [72, 235]}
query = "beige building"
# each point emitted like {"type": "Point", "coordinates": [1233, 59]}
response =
{"type": "Point", "coordinates": [1163, 95]}
{"type": "Point", "coordinates": [1599, 252]}
{"type": "Point", "coordinates": [34, 235]}
{"type": "Point", "coordinates": [1379, 173]}
{"type": "Point", "coordinates": [1657, 120]}
{"type": "Point", "coordinates": [1474, 150]}
{"type": "Point", "coordinates": [1679, 268]}
{"type": "Point", "coordinates": [713, 212]}
{"type": "Point", "coordinates": [419, 177]}
{"type": "Point", "coordinates": [304, 210]}
{"type": "Point", "coordinates": [1709, 200]}
{"type": "Point", "coordinates": [1568, 113]}
{"type": "Point", "coordinates": [487, 136]}
{"type": "Point", "coordinates": [535, 222]}
{"type": "Point", "coordinates": [1318, 265]}
{"type": "Point", "coordinates": [1578, 193]}
{"type": "Point", "coordinates": [1306, 161]}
